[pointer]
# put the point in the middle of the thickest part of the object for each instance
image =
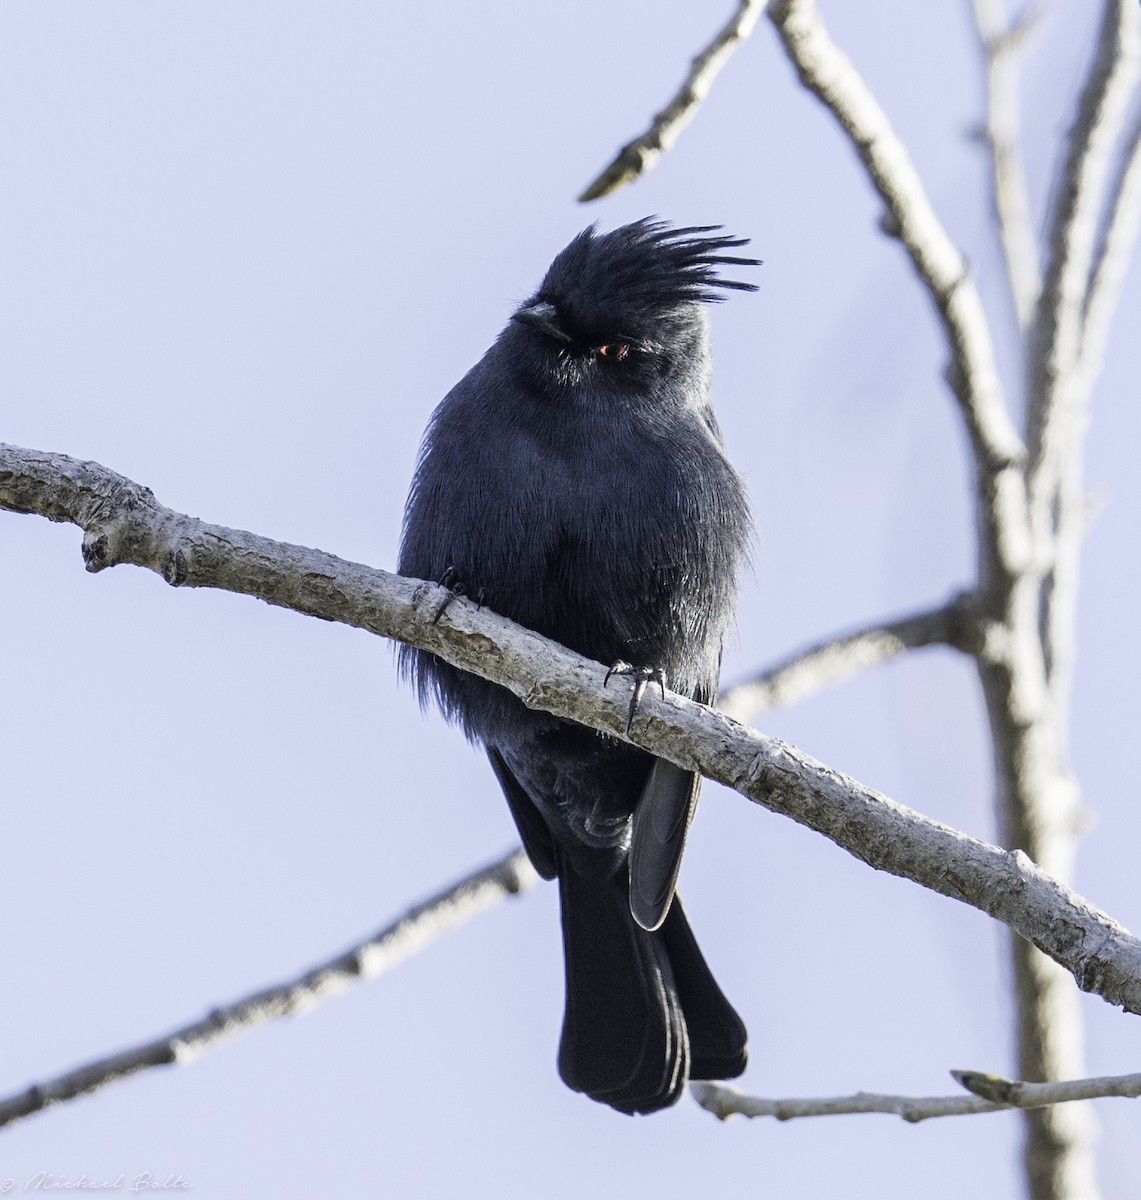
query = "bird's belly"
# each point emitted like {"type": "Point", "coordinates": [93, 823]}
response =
{"type": "Point", "coordinates": [584, 783]}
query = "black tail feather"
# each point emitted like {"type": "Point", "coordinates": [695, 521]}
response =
{"type": "Point", "coordinates": [717, 1035]}
{"type": "Point", "coordinates": [624, 1038]}
{"type": "Point", "coordinates": [639, 1021]}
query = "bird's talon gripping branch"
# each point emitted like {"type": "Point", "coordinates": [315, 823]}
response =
{"type": "Point", "coordinates": [454, 586]}
{"type": "Point", "coordinates": [642, 676]}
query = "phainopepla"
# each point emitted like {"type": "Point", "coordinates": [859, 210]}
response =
{"type": "Point", "coordinates": [574, 480]}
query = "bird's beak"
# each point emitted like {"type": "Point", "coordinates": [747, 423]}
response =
{"type": "Point", "coordinates": [541, 316]}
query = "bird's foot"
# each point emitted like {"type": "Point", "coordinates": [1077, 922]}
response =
{"type": "Point", "coordinates": [642, 676]}
{"type": "Point", "coordinates": [455, 586]}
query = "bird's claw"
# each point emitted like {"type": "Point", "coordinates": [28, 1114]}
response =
{"type": "Point", "coordinates": [455, 587]}
{"type": "Point", "coordinates": [642, 676]}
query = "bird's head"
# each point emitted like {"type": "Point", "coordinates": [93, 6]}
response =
{"type": "Point", "coordinates": [626, 306]}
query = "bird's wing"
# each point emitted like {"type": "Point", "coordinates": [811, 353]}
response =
{"type": "Point", "coordinates": [657, 839]}
{"type": "Point", "coordinates": [528, 820]}
{"type": "Point", "coordinates": [661, 821]}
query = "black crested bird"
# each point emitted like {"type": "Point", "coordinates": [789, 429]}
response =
{"type": "Point", "coordinates": [575, 481]}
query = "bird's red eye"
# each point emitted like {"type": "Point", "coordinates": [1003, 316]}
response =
{"type": "Point", "coordinates": [616, 351]}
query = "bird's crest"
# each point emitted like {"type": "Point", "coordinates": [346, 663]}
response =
{"type": "Point", "coordinates": [641, 267]}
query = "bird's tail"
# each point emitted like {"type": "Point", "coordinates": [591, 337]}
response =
{"type": "Point", "coordinates": [643, 1011]}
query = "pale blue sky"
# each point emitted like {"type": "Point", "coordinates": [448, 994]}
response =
{"type": "Point", "coordinates": [244, 250]}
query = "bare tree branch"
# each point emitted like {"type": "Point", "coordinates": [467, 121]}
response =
{"type": "Point", "coordinates": [123, 523]}
{"type": "Point", "coordinates": [993, 1094]}
{"type": "Point", "coordinates": [1000, 47]}
{"type": "Point", "coordinates": [998, 452]}
{"type": "Point", "coordinates": [377, 954]}
{"type": "Point", "coordinates": [1028, 532]}
{"type": "Point", "coordinates": [1114, 253]}
{"type": "Point", "coordinates": [1054, 401]}
{"type": "Point", "coordinates": [641, 155]}
{"type": "Point", "coordinates": [832, 661]}
{"type": "Point", "coordinates": [1063, 373]}
{"type": "Point", "coordinates": [1028, 694]}
{"type": "Point", "coordinates": [724, 1102]}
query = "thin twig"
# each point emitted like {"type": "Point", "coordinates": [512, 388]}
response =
{"type": "Point", "coordinates": [991, 1094]}
{"type": "Point", "coordinates": [997, 449]}
{"type": "Point", "coordinates": [641, 155]}
{"type": "Point", "coordinates": [378, 953]}
{"type": "Point", "coordinates": [1000, 47]}
{"type": "Point", "coordinates": [832, 661]}
{"type": "Point", "coordinates": [1055, 400]}
{"type": "Point", "coordinates": [1114, 252]}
